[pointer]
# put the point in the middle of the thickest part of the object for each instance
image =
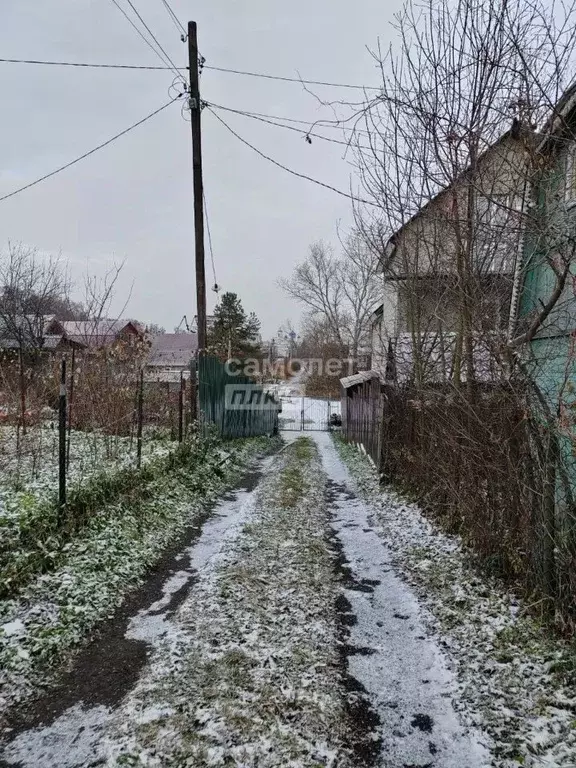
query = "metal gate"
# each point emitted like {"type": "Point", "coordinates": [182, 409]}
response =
{"type": "Point", "coordinates": [307, 413]}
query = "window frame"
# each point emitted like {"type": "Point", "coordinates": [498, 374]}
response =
{"type": "Point", "coordinates": [570, 175]}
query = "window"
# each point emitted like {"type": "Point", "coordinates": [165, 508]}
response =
{"type": "Point", "coordinates": [497, 231]}
{"type": "Point", "coordinates": [570, 177]}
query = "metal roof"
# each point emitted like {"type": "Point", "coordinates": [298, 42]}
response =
{"type": "Point", "coordinates": [172, 350]}
{"type": "Point", "coordinates": [359, 378]}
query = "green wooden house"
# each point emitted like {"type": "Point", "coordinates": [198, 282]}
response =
{"type": "Point", "coordinates": [546, 281]}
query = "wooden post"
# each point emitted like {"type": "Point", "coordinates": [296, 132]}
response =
{"type": "Point", "coordinates": [70, 402]}
{"type": "Point", "coordinates": [62, 441]}
{"type": "Point", "coordinates": [22, 390]}
{"type": "Point", "coordinates": [193, 391]}
{"type": "Point", "coordinates": [195, 114]}
{"type": "Point", "coordinates": [181, 408]}
{"type": "Point", "coordinates": [140, 419]}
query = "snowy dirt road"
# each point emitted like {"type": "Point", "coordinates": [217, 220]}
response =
{"type": "Point", "coordinates": [280, 636]}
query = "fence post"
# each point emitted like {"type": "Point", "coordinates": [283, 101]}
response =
{"type": "Point", "coordinates": [62, 441]}
{"type": "Point", "coordinates": [181, 408]}
{"type": "Point", "coordinates": [140, 418]}
{"type": "Point", "coordinates": [193, 392]}
{"type": "Point", "coordinates": [70, 402]}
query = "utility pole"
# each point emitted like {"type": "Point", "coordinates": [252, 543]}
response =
{"type": "Point", "coordinates": [195, 110]}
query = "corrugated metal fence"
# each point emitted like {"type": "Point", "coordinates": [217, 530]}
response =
{"type": "Point", "coordinates": [237, 406]}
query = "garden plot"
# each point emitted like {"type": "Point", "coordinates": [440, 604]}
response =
{"type": "Point", "coordinates": [29, 464]}
{"type": "Point", "coordinates": [33, 531]}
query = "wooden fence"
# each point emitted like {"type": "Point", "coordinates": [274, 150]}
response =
{"type": "Point", "coordinates": [490, 471]}
{"type": "Point", "coordinates": [362, 403]}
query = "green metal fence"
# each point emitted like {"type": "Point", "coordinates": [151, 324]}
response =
{"type": "Point", "coordinates": [237, 406]}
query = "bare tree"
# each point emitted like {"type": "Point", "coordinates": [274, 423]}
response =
{"type": "Point", "coordinates": [447, 154]}
{"type": "Point", "coordinates": [31, 286]}
{"type": "Point", "coordinates": [465, 76]}
{"type": "Point", "coordinates": [342, 292]}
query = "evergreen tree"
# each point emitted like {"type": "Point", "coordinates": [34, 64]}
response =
{"type": "Point", "coordinates": [234, 333]}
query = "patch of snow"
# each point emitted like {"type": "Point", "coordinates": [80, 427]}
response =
{"type": "Point", "coordinates": [73, 740]}
{"type": "Point", "coordinates": [404, 670]}
{"type": "Point", "coordinates": [151, 624]}
{"type": "Point", "coordinates": [252, 675]}
{"type": "Point", "coordinates": [15, 627]}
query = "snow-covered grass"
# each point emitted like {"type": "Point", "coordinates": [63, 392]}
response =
{"type": "Point", "coordinates": [249, 674]}
{"type": "Point", "coordinates": [102, 469]}
{"type": "Point", "coordinates": [29, 466]}
{"type": "Point", "coordinates": [517, 680]}
{"type": "Point", "coordinates": [108, 557]}
{"type": "Point", "coordinates": [31, 532]}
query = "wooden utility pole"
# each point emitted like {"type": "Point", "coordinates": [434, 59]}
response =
{"type": "Point", "coordinates": [195, 114]}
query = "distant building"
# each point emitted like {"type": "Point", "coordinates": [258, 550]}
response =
{"type": "Point", "coordinates": [170, 354]}
{"type": "Point", "coordinates": [32, 332]}
{"type": "Point", "coordinates": [93, 334]}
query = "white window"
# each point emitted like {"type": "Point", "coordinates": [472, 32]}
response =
{"type": "Point", "coordinates": [570, 177]}
{"type": "Point", "coordinates": [496, 233]}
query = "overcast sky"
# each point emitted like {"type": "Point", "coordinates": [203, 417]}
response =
{"type": "Point", "coordinates": [132, 201]}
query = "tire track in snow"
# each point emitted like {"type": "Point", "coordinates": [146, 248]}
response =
{"type": "Point", "coordinates": [65, 727]}
{"type": "Point", "coordinates": [401, 670]}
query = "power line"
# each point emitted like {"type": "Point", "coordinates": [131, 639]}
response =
{"type": "Point", "coordinates": [292, 79]}
{"type": "Point", "coordinates": [89, 65]}
{"type": "Point", "coordinates": [209, 239]}
{"type": "Point", "coordinates": [133, 25]}
{"type": "Point", "coordinates": [175, 19]}
{"type": "Point", "coordinates": [289, 170]}
{"type": "Point", "coordinates": [163, 57]}
{"type": "Point", "coordinates": [152, 35]}
{"type": "Point", "coordinates": [260, 118]}
{"type": "Point", "coordinates": [92, 66]}
{"type": "Point", "coordinates": [323, 123]}
{"type": "Point", "coordinates": [90, 152]}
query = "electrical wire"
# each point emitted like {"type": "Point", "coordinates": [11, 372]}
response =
{"type": "Point", "coordinates": [334, 124]}
{"type": "Point", "coordinates": [135, 27]}
{"type": "Point", "coordinates": [164, 58]}
{"type": "Point", "coordinates": [182, 69]}
{"type": "Point", "coordinates": [90, 152]}
{"type": "Point", "coordinates": [289, 170]}
{"type": "Point", "coordinates": [304, 133]}
{"type": "Point", "coordinates": [153, 36]}
{"type": "Point", "coordinates": [209, 239]}
{"type": "Point", "coordinates": [175, 19]}
{"type": "Point", "coordinates": [93, 66]}
{"type": "Point", "coordinates": [292, 79]}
